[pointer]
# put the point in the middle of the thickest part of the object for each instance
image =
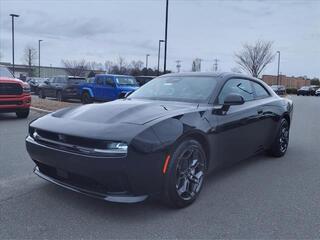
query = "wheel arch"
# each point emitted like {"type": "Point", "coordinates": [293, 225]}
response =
{"type": "Point", "coordinates": [89, 90]}
{"type": "Point", "coordinates": [286, 116]}
{"type": "Point", "coordinates": [201, 138]}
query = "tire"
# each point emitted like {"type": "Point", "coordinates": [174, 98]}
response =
{"type": "Point", "coordinates": [280, 144]}
{"type": "Point", "coordinates": [23, 113]}
{"type": "Point", "coordinates": [59, 96]}
{"type": "Point", "coordinates": [41, 94]}
{"type": "Point", "coordinates": [185, 174]}
{"type": "Point", "coordinates": [86, 98]}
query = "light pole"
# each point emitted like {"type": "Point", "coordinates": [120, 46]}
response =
{"type": "Point", "coordinates": [278, 67]}
{"type": "Point", "coordinates": [147, 56]}
{"type": "Point", "coordinates": [160, 41]}
{"type": "Point", "coordinates": [39, 41]}
{"type": "Point", "coordinates": [12, 18]}
{"type": "Point", "coordinates": [166, 38]}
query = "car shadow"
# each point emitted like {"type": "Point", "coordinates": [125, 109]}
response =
{"type": "Point", "coordinates": [139, 210]}
{"type": "Point", "coordinates": [8, 116]}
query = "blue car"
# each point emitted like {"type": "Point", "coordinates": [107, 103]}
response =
{"type": "Point", "coordinates": [107, 87]}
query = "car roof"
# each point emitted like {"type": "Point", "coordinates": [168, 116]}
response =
{"type": "Point", "coordinates": [113, 75]}
{"type": "Point", "coordinates": [218, 75]}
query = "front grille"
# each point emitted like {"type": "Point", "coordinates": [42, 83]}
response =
{"type": "Point", "coordinates": [73, 144]}
{"type": "Point", "coordinates": [11, 102]}
{"type": "Point", "coordinates": [72, 140]}
{"type": "Point", "coordinates": [114, 182]}
{"type": "Point", "coordinates": [10, 89]}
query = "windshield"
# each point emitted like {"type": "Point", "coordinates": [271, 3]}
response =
{"type": "Point", "coordinates": [184, 89]}
{"type": "Point", "coordinates": [126, 81]}
{"type": "Point", "coordinates": [76, 80]}
{"type": "Point", "coordinates": [4, 72]}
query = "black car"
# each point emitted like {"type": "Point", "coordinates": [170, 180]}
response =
{"type": "Point", "coordinates": [279, 89]}
{"type": "Point", "coordinates": [143, 79]}
{"type": "Point", "coordinates": [163, 139]}
{"type": "Point", "coordinates": [61, 87]}
{"type": "Point", "coordinates": [306, 91]}
{"type": "Point", "coordinates": [34, 84]}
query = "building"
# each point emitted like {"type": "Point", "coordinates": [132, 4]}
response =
{"type": "Point", "coordinates": [23, 71]}
{"type": "Point", "coordinates": [288, 82]}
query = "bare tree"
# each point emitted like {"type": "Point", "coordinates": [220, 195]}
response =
{"type": "Point", "coordinates": [29, 58]}
{"type": "Point", "coordinates": [108, 66]}
{"type": "Point", "coordinates": [75, 67]}
{"type": "Point", "coordinates": [254, 58]}
{"type": "Point", "coordinates": [93, 65]}
{"type": "Point", "coordinates": [136, 64]}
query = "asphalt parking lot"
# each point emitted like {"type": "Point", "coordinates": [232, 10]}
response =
{"type": "Point", "coordinates": [258, 198]}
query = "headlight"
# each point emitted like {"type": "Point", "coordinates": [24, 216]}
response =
{"type": "Point", "coordinates": [114, 147]}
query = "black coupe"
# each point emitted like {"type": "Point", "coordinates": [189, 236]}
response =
{"type": "Point", "coordinates": [163, 139]}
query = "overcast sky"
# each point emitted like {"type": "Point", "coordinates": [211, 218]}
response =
{"type": "Point", "coordinates": [207, 29]}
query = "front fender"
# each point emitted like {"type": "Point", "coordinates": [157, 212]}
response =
{"type": "Point", "coordinates": [89, 90]}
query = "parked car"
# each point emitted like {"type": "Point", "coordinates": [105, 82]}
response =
{"type": "Point", "coordinates": [34, 83]}
{"type": "Point", "coordinates": [306, 91]}
{"type": "Point", "coordinates": [14, 94]}
{"type": "Point", "coordinates": [161, 140]}
{"type": "Point", "coordinates": [144, 79]}
{"type": "Point", "coordinates": [107, 87]}
{"type": "Point", "coordinates": [317, 92]}
{"type": "Point", "coordinates": [279, 89]}
{"type": "Point", "coordinates": [61, 87]}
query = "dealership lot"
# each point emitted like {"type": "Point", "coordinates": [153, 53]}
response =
{"type": "Point", "coordinates": [259, 198]}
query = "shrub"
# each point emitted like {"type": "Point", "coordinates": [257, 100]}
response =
{"type": "Point", "coordinates": [291, 91]}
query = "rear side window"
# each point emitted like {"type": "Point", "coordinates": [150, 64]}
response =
{"type": "Point", "coordinates": [100, 80]}
{"type": "Point", "coordinates": [76, 81]}
{"type": "Point", "coordinates": [260, 91]}
{"type": "Point", "coordinates": [109, 81]}
{"type": "Point", "coordinates": [242, 87]}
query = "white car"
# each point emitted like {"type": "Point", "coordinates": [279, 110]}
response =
{"type": "Point", "coordinates": [317, 92]}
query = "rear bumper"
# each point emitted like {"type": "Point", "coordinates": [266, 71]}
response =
{"type": "Point", "coordinates": [71, 94]}
{"type": "Point", "coordinates": [12, 103]}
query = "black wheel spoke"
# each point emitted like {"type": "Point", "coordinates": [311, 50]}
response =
{"type": "Point", "coordinates": [190, 172]}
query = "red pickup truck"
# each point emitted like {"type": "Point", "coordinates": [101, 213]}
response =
{"type": "Point", "coordinates": [14, 94]}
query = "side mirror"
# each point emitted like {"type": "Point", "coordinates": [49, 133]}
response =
{"type": "Point", "coordinates": [230, 100]}
{"type": "Point", "coordinates": [233, 99]}
{"type": "Point", "coordinates": [46, 82]}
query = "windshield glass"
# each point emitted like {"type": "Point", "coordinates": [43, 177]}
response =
{"type": "Point", "coordinates": [4, 72]}
{"type": "Point", "coordinates": [126, 81]}
{"type": "Point", "coordinates": [182, 88]}
{"type": "Point", "coordinates": [76, 80]}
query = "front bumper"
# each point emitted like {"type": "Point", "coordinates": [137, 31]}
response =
{"type": "Point", "coordinates": [109, 178]}
{"type": "Point", "coordinates": [13, 103]}
{"type": "Point", "coordinates": [120, 198]}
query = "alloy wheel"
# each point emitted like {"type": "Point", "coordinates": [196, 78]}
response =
{"type": "Point", "coordinates": [190, 173]}
{"type": "Point", "coordinates": [284, 137]}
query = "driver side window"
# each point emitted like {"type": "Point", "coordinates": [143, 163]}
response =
{"type": "Point", "coordinates": [239, 86]}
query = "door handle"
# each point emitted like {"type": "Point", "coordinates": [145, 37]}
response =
{"type": "Point", "coordinates": [260, 112]}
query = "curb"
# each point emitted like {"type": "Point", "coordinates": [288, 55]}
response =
{"type": "Point", "coordinates": [40, 110]}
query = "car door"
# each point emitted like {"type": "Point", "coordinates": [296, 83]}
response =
{"type": "Point", "coordinates": [267, 111]}
{"type": "Point", "coordinates": [97, 88]}
{"type": "Point", "coordinates": [47, 88]}
{"type": "Point", "coordinates": [110, 92]}
{"type": "Point", "coordinates": [236, 130]}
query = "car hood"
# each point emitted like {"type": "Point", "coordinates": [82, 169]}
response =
{"type": "Point", "coordinates": [124, 111]}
